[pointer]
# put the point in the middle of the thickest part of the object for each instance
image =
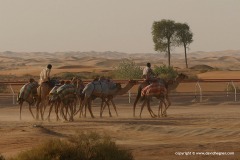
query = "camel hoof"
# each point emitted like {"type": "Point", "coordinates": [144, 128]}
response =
{"type": "Point", "coordinates": [154, 116]}
{"type": "Point", "coordinates": [164, 115]}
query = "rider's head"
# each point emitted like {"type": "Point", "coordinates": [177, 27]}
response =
{"type": "Point", "coordinates": [149, 64]}
{"type": "Point", "coordinates": [49, 66]}
{"type": "Point", "coordinates": [31, 80]}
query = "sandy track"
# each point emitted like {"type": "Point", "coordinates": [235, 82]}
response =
{"type": "Point", "coordinates": [191, 128]}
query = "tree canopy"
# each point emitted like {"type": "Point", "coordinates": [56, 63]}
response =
{"type": "Point", "coordinates": [163, 36]}
{"type": "Point", "coordinates": [168, 34]}
{"type": "Point", "coordinates": [184, 37]}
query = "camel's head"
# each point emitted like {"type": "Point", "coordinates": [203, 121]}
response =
{"type": "Point", "coordinates": [182, 76]}
{"type": "Point", "coordinates": [118, 86]}
{"type": "Point", "coordinates": [134, 82]}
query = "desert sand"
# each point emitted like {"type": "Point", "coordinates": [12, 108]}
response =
{"type": "Point", "coordinates": [192, 127]}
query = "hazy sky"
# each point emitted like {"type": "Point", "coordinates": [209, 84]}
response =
{"type": "Point", "coordinates": [114, 25]}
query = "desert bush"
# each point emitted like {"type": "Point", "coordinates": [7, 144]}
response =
{"type": "Point", "coordinates": [127, 69]}
{"type": "Point", "coordinates": [83, 146]}
{"type": "Point", "coordinates": [165, 72]}
{"type": "Point", "coordinates": [3, 88]}
{"type": "Point", "coordinates": [1, 157]}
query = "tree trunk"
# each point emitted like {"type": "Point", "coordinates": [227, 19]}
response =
{"type": "Point", "coordinates": [169, 55]}
{"type": "Point", "coordinates": [185, 50]}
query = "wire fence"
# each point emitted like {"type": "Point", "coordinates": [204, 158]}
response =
{"type": "Point", "coordinates": [196, 89]}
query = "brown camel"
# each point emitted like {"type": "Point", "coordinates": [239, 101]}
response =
{"type": "Point", "coordinates": [110, 97]}
{"type": "Point", "coordinates": [160, 92]}
{"type": "Point", "coordinates": [30, 100]}
{"type": "Point", "coordinates": [105, 91]}
{"type": "Point", "coordinates": [170, 85]}
{"type": "Point", "coordinates": [28, 93]}
{"type": "Point", "coordinates": [71, 100]}
{"type": "Point", "coordinates": [42, 101]}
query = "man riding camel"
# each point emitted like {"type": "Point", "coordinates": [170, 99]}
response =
{"type": "Point", "coordinates": [148, 74]}
{"type": "Point", "coordinates": [45, 76]}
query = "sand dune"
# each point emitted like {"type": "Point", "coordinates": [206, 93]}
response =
{"type": "Point", "coordinates": [224, 60]}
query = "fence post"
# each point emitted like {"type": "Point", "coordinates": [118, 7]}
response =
{"type": "Point", "coordinates": [200, 90]}
{"type": "Point", "coordinates": [13, 93]}
{"type": "Point", "coordinates": [235, 90]}
{"type": "Point", "coordinates": [129, 96]}
{"type": "Point", "coordinates": [227, 88]}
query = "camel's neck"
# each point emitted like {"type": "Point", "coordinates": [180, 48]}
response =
{"type": "Point", "coordinates": [175, 84]}
{"type": "Point", "coordinates": [125, 89]}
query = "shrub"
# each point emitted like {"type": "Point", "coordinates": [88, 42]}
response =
{"type": "Point", "coordinates": [83, 146]}
{"type": "Point", "coordinates": [1, 157]}
{"type": "Point", "coordinates": [3, 88]}
{"type": "Point", "coordinates": [165, 72]}
{"type": "Point", "coordinates": [128, 69]}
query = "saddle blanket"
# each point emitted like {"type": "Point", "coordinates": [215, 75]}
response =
{"type": "Point", "coordinates": [153, 89]}
{"type": "Point", "coordinates": [27, 89]}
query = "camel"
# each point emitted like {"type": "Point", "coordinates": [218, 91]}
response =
{"type": "Point", "coordinates": [170, 85]}
{"type": "Point", "coordinates": [43, 92]}
{"type": "Point", "coordinates": [27, 94]}
{"type": "Point", "coordinates": [54, 101]}
{"type": "Point", "coordinates": [70, 100]}
{"type": "Point", "coordinates": [122, 91]}
{"type": "Point", "coordinates": [104, 90]}
{"type": "Point", "coordinates": [155, 90]}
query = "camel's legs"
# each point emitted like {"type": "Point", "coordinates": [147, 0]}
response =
{"type": "Point", "coordinates": [164, 114]}
{"type": "Point", "coordinates": [106, 103]}
{"type": "Point", "coordinates": [136, 101]}
{"type": "Point", "coordinates": [90, 108]}
{"type": "Point", "coordinates": [21, 104]}
{"type": "Point", "coordinates": [71, 109]}
{"type": "Point", "coordinates": [66, 111]}
{"type": "Point", "coordinates": [80, 109]}
{"type": "Point", "coordinates": [42, 108]}
{"type": "Point", "coordinates": [30, 109]}
{"type": "Point", "coordinates": [160, 108]}
{"type": "Point", "coordinates": [149, 109]}
{"type": "Point", "coordinates": [145, 101]}
{"type": "Point", "coordinates": [50, 110]}
{"type": "Point", "coordinates": [114, 106]}
{"type": "Point", "coordinates": [56, 109]}
{"type": "Point", "coordinates": [168, 100]}
{"type": "Point", "coordinates": [84, 106]}
{"type": "Point", "coordinates": [62, 107]}
{"type": "Point", "coordinates": [102, 107]}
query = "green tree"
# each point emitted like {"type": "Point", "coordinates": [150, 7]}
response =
{"type": "Point", "coordinates": [184, 37]}
{"type": "Point", "coordinates": [163, 36]}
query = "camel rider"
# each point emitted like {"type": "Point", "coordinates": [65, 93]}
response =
{"type": "Point", "coordinates": [45, 76]}
{"type": "Point", "coordinates": [148, 74]}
